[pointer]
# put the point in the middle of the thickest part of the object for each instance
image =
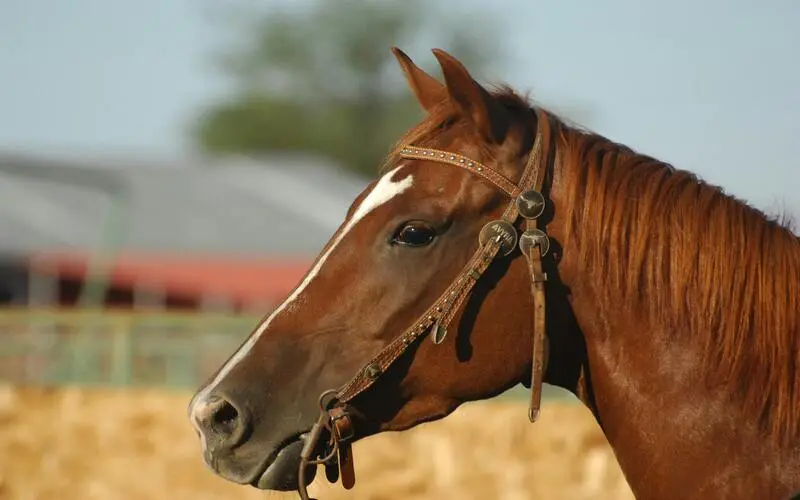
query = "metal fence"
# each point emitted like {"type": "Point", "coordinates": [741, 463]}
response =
{"type": "Point", "coordinates": [117, 348]}
{"type": "Point", "coordinates": [51, 347]}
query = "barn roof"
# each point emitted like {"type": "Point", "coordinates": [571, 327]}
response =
{"type": "Point", "coordinates": [282, 206]}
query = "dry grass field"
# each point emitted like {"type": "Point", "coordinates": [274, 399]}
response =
{"type": "Point", "coordinates": [60, 444]}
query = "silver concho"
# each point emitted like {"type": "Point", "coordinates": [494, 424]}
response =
{"type": "Point", "coordinates": [502, 230]}
{"type": "Point", "coordinates": [530, 204]}
{"type": "Point", "coordinates": [534, 237]}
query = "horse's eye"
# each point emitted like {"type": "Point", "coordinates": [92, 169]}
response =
{"type": "Point", "coordinates": [414, 234]}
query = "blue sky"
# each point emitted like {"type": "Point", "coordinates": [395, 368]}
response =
{"type": "Point", "coordinates": [712, 86]}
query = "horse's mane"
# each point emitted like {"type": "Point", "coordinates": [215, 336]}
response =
{"type": "Point", "coordinates": [687, 256]}
{"type": "Point", "coordinates": [697, 261]}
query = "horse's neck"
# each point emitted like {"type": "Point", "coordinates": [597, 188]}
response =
{"type": "Point", "coordinates": [664, 425]}
{"type": "Point", "coordinates": [674, 437]}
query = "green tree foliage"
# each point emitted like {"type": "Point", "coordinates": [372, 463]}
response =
{"type": "Point", "coordinates": [322, 79]}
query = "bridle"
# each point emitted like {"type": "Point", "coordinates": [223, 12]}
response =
{"type": "Point", "coordinates": [498, 238]}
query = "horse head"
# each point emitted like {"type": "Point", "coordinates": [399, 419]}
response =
{"type": "Point", "coordinates": [430, 250]}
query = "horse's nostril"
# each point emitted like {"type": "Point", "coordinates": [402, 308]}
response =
{"type": "Point", "coordinates": [220, 422]}
{"type": "Point", "coordinates": [224, 420]}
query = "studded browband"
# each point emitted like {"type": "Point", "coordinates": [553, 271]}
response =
{"type": "Point", "coordinates": [497, 238]}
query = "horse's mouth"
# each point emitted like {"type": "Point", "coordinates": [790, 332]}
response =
{"type": "Point", "coordinates": [280, 471]}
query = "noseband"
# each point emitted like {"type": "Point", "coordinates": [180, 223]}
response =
{"type": "Point", "coordinates": [498, 238]}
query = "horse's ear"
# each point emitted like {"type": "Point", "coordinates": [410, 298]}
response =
{"type": "Point", "coordinates": [476, 104]}
{"type": "Point", "coordinates": [428, 90]}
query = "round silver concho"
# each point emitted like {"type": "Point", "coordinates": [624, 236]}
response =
{"type": "Point", "coordinates": [503, 230]}
{"type": "Point", "coordinates": [530, 204]}
{"type": "Point", "coordinates": [534, 237]}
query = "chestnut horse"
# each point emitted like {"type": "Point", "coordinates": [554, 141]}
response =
{"type": "Point", "coordinates": [501, 245]}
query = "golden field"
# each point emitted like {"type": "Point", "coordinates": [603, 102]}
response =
{"type": "Point", "coordinates": [103, 444]}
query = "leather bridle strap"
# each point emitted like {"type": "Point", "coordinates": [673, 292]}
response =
{"type": "Point", "coordinates": [498, 237]}
{"type": "Point", "coordinates": [534, 244]}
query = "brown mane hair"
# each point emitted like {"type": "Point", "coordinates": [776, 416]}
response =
{"type": "Point", "coordinates": [697, 261]}
{"type": "Point", "coordinates": [685, 254]}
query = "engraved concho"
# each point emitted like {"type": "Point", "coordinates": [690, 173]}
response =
{"type": "Point", "coordinates": [530, 204]}
{"type": "Point", "coordinates": [534, 237]}
{"type": "Point", "coordinates": [503, 230]}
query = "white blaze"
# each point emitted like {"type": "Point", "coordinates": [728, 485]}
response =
{"type": "Point", "coordinates": [385, 189]}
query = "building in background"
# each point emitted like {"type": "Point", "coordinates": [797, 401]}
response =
{"type": "Point", "coordinates": [233, 235]}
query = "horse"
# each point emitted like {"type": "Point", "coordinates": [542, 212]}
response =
{"type": "Point", "coordinates": [500, 245]}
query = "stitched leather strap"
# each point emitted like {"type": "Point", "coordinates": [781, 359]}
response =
{"type": "Point", "coordinates": [491, 175]}
{"type": "Point", "coordinates": [342, 428]}
{"type": "Point", "coordinates": [447, 303]}
{"type": "Point", "coordinates": [538, 278]}
{"type": "Point", "coordinates": [532, 245]}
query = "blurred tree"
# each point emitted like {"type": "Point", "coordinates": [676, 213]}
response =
{"type": "Point", "coordinates": [322, 79]}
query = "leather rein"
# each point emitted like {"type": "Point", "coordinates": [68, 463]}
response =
{"type": "Point", "coordinates": [498, 238]}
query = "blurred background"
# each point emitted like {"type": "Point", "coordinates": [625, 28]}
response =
{"type": "Point", "coordinates": [168, 171]}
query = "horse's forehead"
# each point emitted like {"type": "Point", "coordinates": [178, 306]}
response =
{"type": "Point", "coordinates": [388, 186]}
{"type": "Point", "coordinates": [413, 179]}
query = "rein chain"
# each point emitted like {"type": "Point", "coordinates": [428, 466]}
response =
{"type": "Point", "coordinates": [497, 238]}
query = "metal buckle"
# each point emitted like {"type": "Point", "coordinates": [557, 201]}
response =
{"type": "Point", "coordinates": [337, 414]}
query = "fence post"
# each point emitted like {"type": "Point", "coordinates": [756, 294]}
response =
{"type": "Point", "coordinates": [122, 353]}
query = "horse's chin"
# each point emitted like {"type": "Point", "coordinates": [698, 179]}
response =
{"type": "Point", "coordinates": [282, 473]}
